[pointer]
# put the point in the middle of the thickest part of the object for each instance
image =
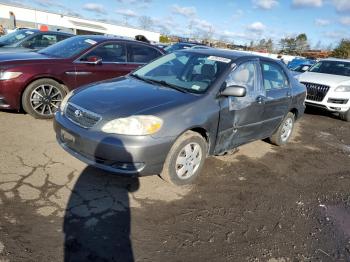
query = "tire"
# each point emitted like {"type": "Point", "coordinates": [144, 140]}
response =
{"type": "Point", "coordinates": [180, 174]}
{"type": "Point", "coordinates": [42, 98]}
{"type": "Point", "coordinates": [280, 137]}
{"type": "Point", "coordinates": [345, 116]}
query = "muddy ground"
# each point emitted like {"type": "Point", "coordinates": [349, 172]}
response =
{"type": "Point", "coordinates": [263, 203]}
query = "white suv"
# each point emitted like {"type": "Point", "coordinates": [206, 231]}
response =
{"type": "Point", "coordinates": [328, 86]}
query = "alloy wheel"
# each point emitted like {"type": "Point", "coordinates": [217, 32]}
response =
{"type": "Point", "coordinates": [287, 129]}
{"type": "Point", "coordinates": [188, 160]}
{"type": "Point", "coordinates": [45, 99]}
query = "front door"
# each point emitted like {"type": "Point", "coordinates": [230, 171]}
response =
{"type": "Point", "coordinates": [240, 117]}
{"type": "Point", "coordinates": [278, 95]}
{"type": "Point", "coordinates": [114, 64]}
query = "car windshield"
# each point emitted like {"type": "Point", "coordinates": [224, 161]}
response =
{"type": "Point", "coordinates": [332, 68]}
{"type": "Point", "coordinates": [187, 71]}
{"type": "Point", "coordinates": [15, 37]}
{"type": "Point", "coordinates": [69, 47]}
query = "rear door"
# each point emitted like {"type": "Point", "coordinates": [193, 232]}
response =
{"type": "Point", "coordinates": [240, 117]}
{"type": "Point", "coordinates": [114, 63]}
{"type": "Point", "coordinates": [278, 95]}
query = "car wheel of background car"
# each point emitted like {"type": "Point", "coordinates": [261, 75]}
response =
{"type": "Point", "coordinates": [284, 131]}
{"type": "Point", "coordinates": [185, 159]}
{"type": "Point", "coordinates": [345, 116]}
{"type": "Point", "coordinates": [42, 98]}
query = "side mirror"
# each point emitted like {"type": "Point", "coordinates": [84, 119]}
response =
{"type": "Point", "coordinates": [95, 60]}
{"type": "Point", "coordinates": [305, 68]}
{"type": "Point", "coordinates": [237, 91]}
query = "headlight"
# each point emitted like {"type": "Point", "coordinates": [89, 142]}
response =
{"type": "Point", "coordinates": [9, 75]}
{"type": "Point", "coordinates": [65, 100]}
{"type": "Point", "coordinates": [342, 89]}
{"type": "Point", "coordinates": [134, 125]}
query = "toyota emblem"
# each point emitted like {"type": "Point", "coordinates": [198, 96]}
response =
{"type": "Point", "coordinates": [78, 113]}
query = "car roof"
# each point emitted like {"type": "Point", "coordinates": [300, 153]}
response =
{"type": "Point", "coordinates": [336, 59]}
{"type": "Point", "coordinates": [44, 32]}
{"type": "Point", "coordinates": [103, 38]}
{"type": "Point", "coordinates": [231, 54]}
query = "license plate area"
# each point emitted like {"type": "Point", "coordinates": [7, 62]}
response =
{"type": "Point", "coordinates": [67, 137]}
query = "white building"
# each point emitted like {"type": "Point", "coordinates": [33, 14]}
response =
{"type": "Point", "coordinates": [27, 17]}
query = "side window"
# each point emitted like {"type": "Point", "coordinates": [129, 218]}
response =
{"type": "Point", "coordinates": [246, 75]}
{"type": "Point", "coordinates": [62, 37]}
{"type": "Point", "coordinates": [142, 53]}
{"type": "Point", "coordinates": [40, 41]}
{"type": "Point", "coordinates": [111, 52]}
{"type": "Point", "coordinates": [273, 76]}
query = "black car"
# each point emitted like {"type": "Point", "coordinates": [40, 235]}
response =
{"type": "Point", "coordinates": [168, 116]}
{"type": "Point", "coordinates": [26, 40]}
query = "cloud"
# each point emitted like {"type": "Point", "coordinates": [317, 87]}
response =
{"type": "Point", "coordinates": [188, 12]}
{"type": "Point", "coordinates": [56, 7]}
{"type": "Point", "coordinates": [307, 3]}
{"type": "Point", "coordinates": [342, 6]}
{"type": "Point", "coordinates": [265, 4]}
{"type": "Point", "coordinates": [345, 20]}
{"type": "Point", "coordinates": [322, 22]}
{"type": "Point", "coordinates": [126, 12]}
{"type": "Point", "coordinates": [93, 7]}
{"type": "Point", "coordinates": [334, 34]}
{"type": "Point", "coordinates": [256, 27]}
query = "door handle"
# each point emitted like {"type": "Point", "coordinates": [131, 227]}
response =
{"type": "Point", "coordinates": [260, 100]}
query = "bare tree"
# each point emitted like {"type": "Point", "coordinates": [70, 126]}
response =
{"type": "Point", "coordinates": [145, 22]}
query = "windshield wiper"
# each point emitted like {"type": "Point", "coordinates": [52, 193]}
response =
{"type": "Point", "coordinates": [161, 82]}
{"type": "Point", "coordinates": [164, 83]}
{"type": "Point", "coordinates": [142, 78]}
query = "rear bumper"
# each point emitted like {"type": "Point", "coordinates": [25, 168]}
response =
{"type": "Point", "coordinates": [128, 155]}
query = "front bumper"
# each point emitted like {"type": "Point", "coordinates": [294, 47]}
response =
{"type": "Point", "coordinates": [333, 101]}
{"type": "Point", "coordinates": [129, 155]}
{"type": "Point", "coordinates": [10, 93]}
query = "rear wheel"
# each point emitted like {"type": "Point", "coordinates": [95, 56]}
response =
{"type": "Point", "coordinates": [284, 131]}
{"type": "Point", "coordinates": [42, 98]}
{"type": "Point", "coordinates": [185, 159]}
{"type": "Point", "coordinates": [345, 116]}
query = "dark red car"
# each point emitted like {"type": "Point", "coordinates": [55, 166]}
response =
{"type": "Point", "coordinates": [37, 82]}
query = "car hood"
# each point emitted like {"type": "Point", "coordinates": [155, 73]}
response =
{"type": "Point", "coordinates": [23, 56]}
{"type": "Point", "coordinates": [323, 79]}
{"type": "Point", "coordinates": [127, 96]}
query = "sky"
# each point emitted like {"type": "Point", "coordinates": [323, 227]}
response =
{"type": "Point", "coordinates": [325, 22]}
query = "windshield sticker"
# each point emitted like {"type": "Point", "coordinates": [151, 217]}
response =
{"type": "Point", "coordinates": [29, 32]}
{"type": "Point", "coordinates": [195, 87]}
{"type": "Point", "coordinates": [90, 41]}
{"type": "Point", "coordinates": [219, 59]}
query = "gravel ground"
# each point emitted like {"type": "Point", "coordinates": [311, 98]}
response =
{"type": "Point", "coordinates": [263, 203]}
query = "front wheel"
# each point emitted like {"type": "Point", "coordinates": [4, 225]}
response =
{"type": "Point", "coordinates": [185, 159]}
{"type": "Point", "coordinates": [345, 116]}
{"type": "Point", "coordinates": [284, 131]}
{"type": "Point", "coordinates": [42, 98]}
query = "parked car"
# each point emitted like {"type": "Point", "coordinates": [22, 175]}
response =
{"type": "Point", "coordinates": [328, 86]}
{"type": "Point", "coordinates": [168, 116]}
{"type": "Point", "coordinates": [26, 40]}
{"type": "Point", "coordinates": [300, 60]}
{"type": "Point", "coordinates": [38, 81]}
{"type": "Point", "coordinates": [179, 46]}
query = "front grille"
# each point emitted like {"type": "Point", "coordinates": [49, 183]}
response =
{"type": "Point", "coordinates": [315, 92]}
{"type": "Point", "coordinates": [81, 116]}
{"type": "Point", "coordinates": [337, 101]}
